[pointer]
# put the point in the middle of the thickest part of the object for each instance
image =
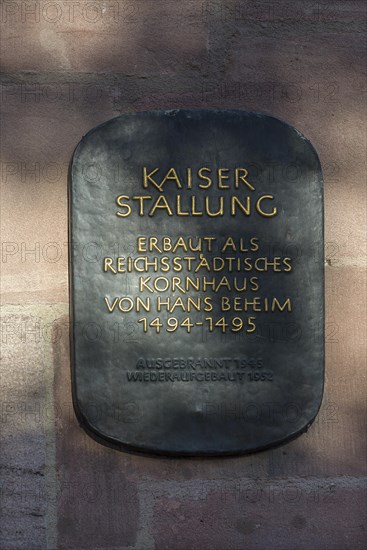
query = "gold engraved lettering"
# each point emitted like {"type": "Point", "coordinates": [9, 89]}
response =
{"type": "Point", "coordinates": [214, 214]}
{"type": "Point", "coordinates": [254, 244]}
{"type": "Point", "coordinates": [153, 245]}
{"type": "Point", "coordinates": [144, 303]}
{"type": "Point", "coordinates": [119, 201]}
{"type": "Point", "coordinates": [203, 177]}
{"type": "Point", "coordinates": [251, 324]}
{"type": "Point", "coordinates": [129, 304]}
{"type": "Point", "coordinates": [218, 264]}
{"type": "Point", "coordinates": [189, 178]}
{"type": "Point", "coordinates": [287, 304]}
{"type": "Point", "coordinates": [242, 178]}
{"type": "Point", "coordinates": [259, 207]}
{"type": "Point", "coordinates": [194, 212]}
{"type": "Point", "coordinates": [120, 265]}
{"type": "Point", "coordinates": [141, 199]}
{"type": "Point", "coordinates": [178, 207]}
{"type": "Point", "coordinates": [221, 177]}
{"type": "Point", "coordinates": [176, 284]}
{"type": "Point", "coordinates": [171, 175]}
{"type": "Point", "coordinates": [245, 209]}
{"type": "Point", "coordinates": [161, 202]}
{"type": "Point", "coordinates": [209, 241]}
{"type": "Point", "coordinates": [112, 306]}
{"type": "Point", "coordinates": [287, 264]}
{"type": "Point", "coordinates": [195, 284]}
{"type": "Point", "coordinates": [161, 302]}
{"type": "Point", "coordinates": [167, 244]}
{"type": "Point", "coordinates": [229, 243]}
{"type": "Point", "coordinates": [147, 178]}
{"type": "Point", "coordinates": [180, 243]}
{"type": "Point", "coordinates": [107, 265]}
{"type": "Point", "coordinates": [143, 284]}
{"type": "Point", "coordinates": [142, 242]}
{"type": "Point", "coordinates": [160, 288]}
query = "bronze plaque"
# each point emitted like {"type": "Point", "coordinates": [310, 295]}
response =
{"type": "Point", "coordinates": [197, 282]}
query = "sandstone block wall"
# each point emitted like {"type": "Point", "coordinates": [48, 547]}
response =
{"type": "Point", "coordinates": [70, 65]}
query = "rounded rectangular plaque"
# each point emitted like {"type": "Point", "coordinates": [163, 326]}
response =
{"type": "Point", "coordinates": [197, 282]}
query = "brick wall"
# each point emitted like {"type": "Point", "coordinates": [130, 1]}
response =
{"type": "Point", "coordinates": [69, 66]}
